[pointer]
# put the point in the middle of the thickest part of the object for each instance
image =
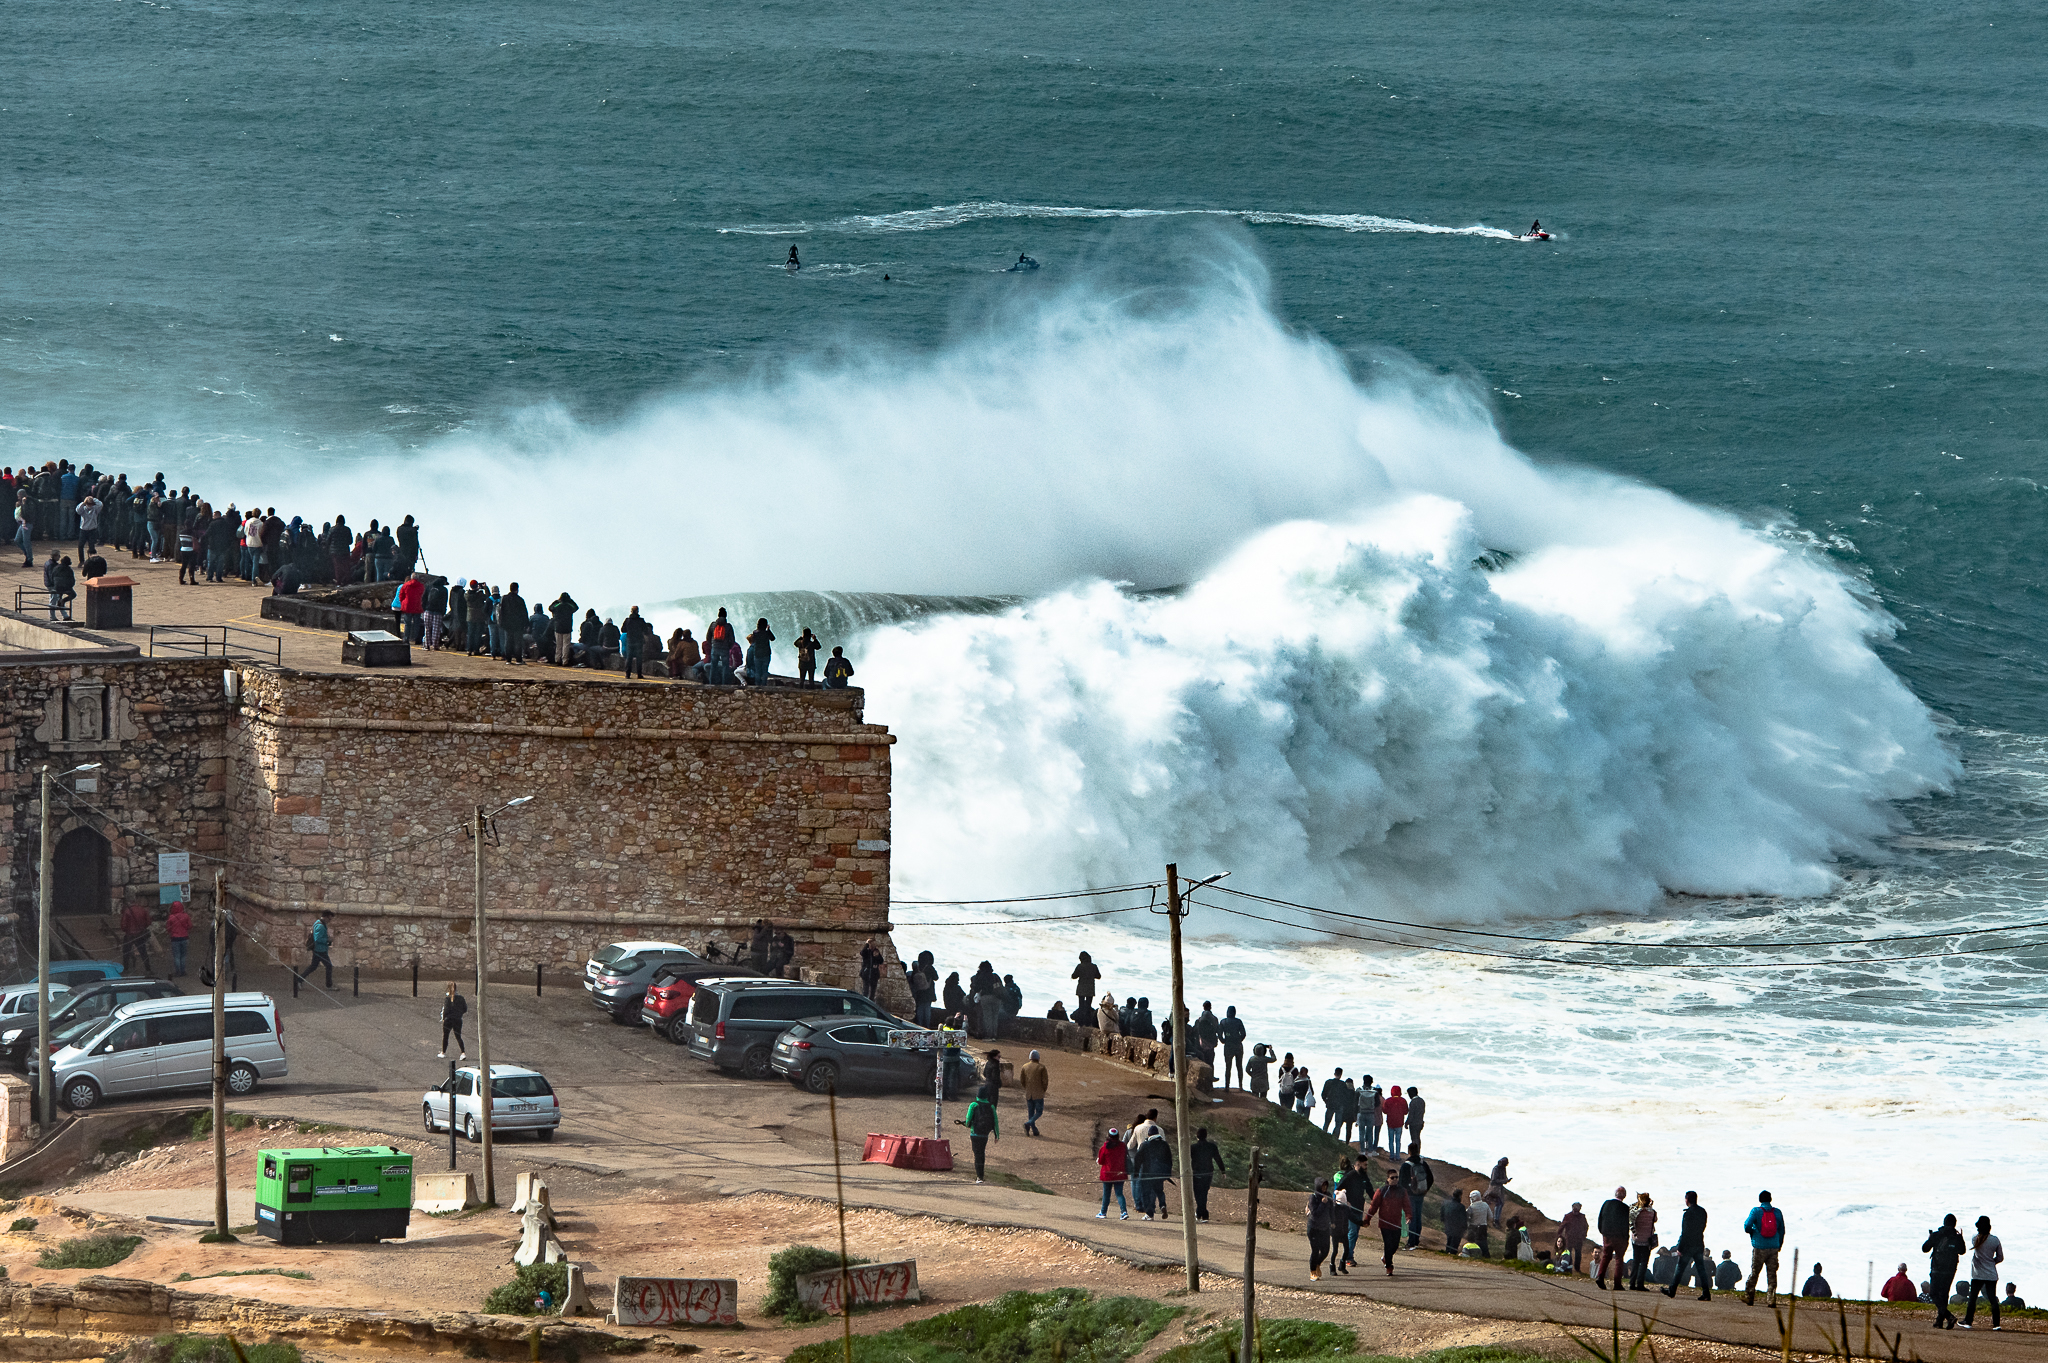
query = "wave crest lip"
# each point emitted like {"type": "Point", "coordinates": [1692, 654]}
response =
{"type": "Point", "coordinates": [942, 216]}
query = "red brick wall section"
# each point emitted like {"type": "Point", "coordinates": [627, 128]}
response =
{"type": "Point", "coordinates": [666, 812]}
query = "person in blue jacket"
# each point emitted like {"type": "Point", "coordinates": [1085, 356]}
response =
{"type": "Point", "coordinates": [1766, 1227]}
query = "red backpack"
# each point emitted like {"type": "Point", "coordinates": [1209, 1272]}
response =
{"type": "Point", "coordinates": [1767, 1223]}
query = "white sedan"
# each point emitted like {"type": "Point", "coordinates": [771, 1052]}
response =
{"type": "Point", "coordinates": [521, 1100]}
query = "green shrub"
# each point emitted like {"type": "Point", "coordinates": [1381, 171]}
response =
{"type": "Point", "coordinates": [21, 1225]}
{"type": "Point", "coordinates": [785, 1268]}
{"type": "Point", "coordinates": [1278, 1340]}
{"type": "Point", "coordinates": [94, 1251]}
{"type": "Point", "coordinates": [1019, 1327]}
{"type": "Point", "coordinates": [203, 1349]}
{"type": "Point", "coordinates": [516, 1297]}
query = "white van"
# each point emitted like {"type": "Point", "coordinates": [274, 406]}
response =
{"type": "Point", "coordinates": [157, 1044]}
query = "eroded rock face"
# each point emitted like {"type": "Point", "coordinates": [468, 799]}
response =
{"type": "Point", "coordinates": [48, 1321]}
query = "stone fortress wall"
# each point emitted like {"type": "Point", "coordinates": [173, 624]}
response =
{"type": "Point", "coordinates": [672, 812]}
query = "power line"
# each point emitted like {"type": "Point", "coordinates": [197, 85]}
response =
{"type": "Point", "coordinates": [1034, 898]}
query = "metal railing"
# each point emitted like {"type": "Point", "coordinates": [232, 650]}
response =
{"type": "Point", "coordinates": [215, 641]}
{"type": "Point", "coordinates": [28, 599]}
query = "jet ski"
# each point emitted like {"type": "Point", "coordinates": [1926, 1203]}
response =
{"type": "Point", "coordinates": [1024, 265]}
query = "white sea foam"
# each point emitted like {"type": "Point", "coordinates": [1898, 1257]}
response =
{"type": "Point", "coordinates": [978, 210]}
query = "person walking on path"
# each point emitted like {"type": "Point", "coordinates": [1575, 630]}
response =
{"type": "Point", "coordinates": [452, 1009]}
{"type": "Point", "coordinates": [1387, 1208]}
{"type": "Point", "coordinates": [1944, 1248]}
{"type": "Point", "coordinates": [1395, 1108]}
{"type": "Point", "coordinates": [1642, 1234]}
{"type": "Point", "coordinates": [1322, 1216]}
{"type": "Point", "coordinates": [1571, 1237]}
{"type": "Point", "coordinates": [1152, 1165]}
{"type": "Point", "coordinates": [135, 937]}
{"type": "Point", "coordinates": [983, 1125]}
{"type": "Point", "coordinates": [320, 941]}
{"type": "Point", "coordinates": [1353, 1189]}
{"type": "Point", "coordinates": [1086, 973]}
{"type": "Point", "coordinates": [1416, 1108]}
{"type": "Point", "coordinates": [178, 924]}
{"type": "Point", "coordinates": [1692, 1249]}
{"type": "Point", "coordinates": [1765, 1225]}
{"type": "Point", "coordinates": [1230, 1031]}
{"type": "Point", "coordinates": [1111, 1163]}
{"type": "Point", "coordinates": [1613, 1227]}
{"type": "Point", "coordinates": [1205, 1161]}
{"type": "Point", "coordinates": [1417, 1178]}
{"type": "Point", "coordinates": [1986, 1254]}
{"type": "Point", "coordinates": [1035, 1081]}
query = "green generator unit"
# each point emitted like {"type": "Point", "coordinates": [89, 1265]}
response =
{"type": "Point", "coordinates": [345, 1195]}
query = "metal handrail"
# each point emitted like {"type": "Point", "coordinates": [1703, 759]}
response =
{"type": "Point", "coordinates": [44, 605]}
{"type": "Point", "coordinates": [208, 641]}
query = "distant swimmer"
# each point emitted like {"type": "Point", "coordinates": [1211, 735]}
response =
{"type": "Point", "coordinates": [1024, 262]}
{"type": "Point", "coordinates": [792, 264]}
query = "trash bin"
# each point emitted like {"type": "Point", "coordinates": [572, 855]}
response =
{"type": "Point", "coordinates": [110, 603]}
{"type": "Point", "coordinates": [375, 648]}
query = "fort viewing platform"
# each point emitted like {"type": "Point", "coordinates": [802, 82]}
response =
{"type": "Point", "coordinates": [662, 809]}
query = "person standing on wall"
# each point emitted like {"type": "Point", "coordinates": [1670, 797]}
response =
{"type": "Point", "coordinates": [838, 668]}
{"type": "Point", "coordinates": [1084, 976]}
{"type": "Point", "coordinates": [562, 621]}
{"type": "Point", "coordinates": [512, 624]}
{"type": "Point", "coordinates": [634, 630]}
{"type": "Point", "coordinates": [452, 1009]}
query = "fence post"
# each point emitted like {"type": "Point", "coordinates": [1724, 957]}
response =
{"type": "Point", "coordinates": [415, 977]}
{"type": "Point", "coordinates": [536, 979]}
{"type": "Point", "coordinates": [355, 984]}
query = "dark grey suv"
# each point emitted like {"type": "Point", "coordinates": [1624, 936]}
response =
{"type": "Point", "coordinates": [733, 1023]}
{"type": "Point", "coordinates": [825, 1053]}
{"type": "Point", "coordinates": [618, 975]}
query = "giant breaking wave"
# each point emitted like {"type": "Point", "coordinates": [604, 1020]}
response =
{"type": "Point", "coordinates": [1636, 695]}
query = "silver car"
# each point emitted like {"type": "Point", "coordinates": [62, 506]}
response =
{"type": "Point", "coordinates": [19, 1000]}
{"type": "Point", "coordinates": [153, 1045]}
{"type": "Point", "coordinates": [521, 1100]}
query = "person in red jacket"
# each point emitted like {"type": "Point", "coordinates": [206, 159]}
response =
{"type": "Point", "coordinates": [1899, 1287]}
{"type": "Point", "coordinates": [1386, 1209]}
{"type": "Point", "coordinates": [179, 925]}
{"type": "Point", "coordinates": [1110, 1167]}
{"type": "Point", "coordinates": [1396, 1109]}
{"type": "Point", "coordinates": [412, 601]}
{"type": "Point", "coordinates": [135, 937]}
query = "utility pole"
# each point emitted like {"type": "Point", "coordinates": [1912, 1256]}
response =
{"type": "Point", "coordinates": [1247, 1349]}
{"type": "Point", "coordinates": [46, 873]}
{"type": "Point", "coordinates": [220, 1058]}
{"type": "Point", "coordinates": [485, 1098]}
{"type": "Point", "coordinates": [1183, 1135]}
{"type": "Point", "coordinates": [46, 1083]}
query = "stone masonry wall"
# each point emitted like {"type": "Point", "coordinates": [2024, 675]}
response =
{"type": "Point", "coordinates": [667, 812]}
{"type": "Point", "coordinates": [156, 726]}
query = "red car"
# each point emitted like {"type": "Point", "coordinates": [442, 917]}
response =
{"type": "Point", "coordinates": [668, 995]}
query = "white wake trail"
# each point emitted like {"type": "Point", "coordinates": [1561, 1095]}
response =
{"type": "Point", "coordinates": [979, 210]}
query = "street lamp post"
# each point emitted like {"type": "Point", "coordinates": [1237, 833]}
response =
{"type": "Point", "coordinates": [46, 1083]}
{"type": "Point", "coordinates": [1178, 1032]}
{"type": "Point", "coordinates": [486, 1098]}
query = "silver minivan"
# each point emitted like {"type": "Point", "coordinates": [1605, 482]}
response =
{"type": "Point", "coordinates": [157, 1044]}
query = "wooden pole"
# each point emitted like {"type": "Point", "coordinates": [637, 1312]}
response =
{"type": "Point", "coordinates": [1247, 1348]}
{"type": "Point", "coordinates": [1183, 1133]}
{"type": "Point", "coordinates": [220, 1058]}
{"type": "Point", "coordinates": [485, 1098]}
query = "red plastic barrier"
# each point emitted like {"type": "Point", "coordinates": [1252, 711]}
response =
{"type": "Point", "coordinates": [907, 1152]}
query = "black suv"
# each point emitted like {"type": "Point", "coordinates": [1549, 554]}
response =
{"type": "Point", "coordinates": [733, 1023]}
{"type": "Point", "coordinates": [95, 1001]}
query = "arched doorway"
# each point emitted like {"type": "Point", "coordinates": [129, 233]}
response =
{"type": "Point", "coordinates": [82, 885]}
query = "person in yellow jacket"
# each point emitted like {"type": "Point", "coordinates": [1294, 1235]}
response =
{"type": "Point", "coordinates": [1035, 1082]}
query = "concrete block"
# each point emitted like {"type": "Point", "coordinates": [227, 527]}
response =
{"type": "Point", "coordinates": [676, 1301]}
{"type": "Point", "coordinates": [869, 1283]}
{"type": "Point", "coordinates": [443, 1192]}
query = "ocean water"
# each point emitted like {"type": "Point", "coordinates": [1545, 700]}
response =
{"type": "Point", "coordinates": [1675, 582]}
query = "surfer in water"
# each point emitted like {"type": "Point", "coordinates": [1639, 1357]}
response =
{"type": "Point", "coordinates": [792, 264]}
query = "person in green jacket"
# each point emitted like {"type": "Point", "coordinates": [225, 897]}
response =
{"type": "Point", "coordinates": [983, 1124]}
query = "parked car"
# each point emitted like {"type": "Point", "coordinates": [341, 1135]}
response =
{"type": "Point", "coordinates": [155, 1045]}
{"type": "Point", "coordinates": [825, 1053]}
{"type": "Point", "coordinates": [733, 1023]}
{"type": "Point", "coordinates": [91, 1003]}
{"type": "Point", "coordinates": [71, 974]}
{"type": "Point", "coordinates": [521, 1100]}
{"type": "Point", "coordinates": [19, 1000]}
{"type": "Point", "coordinates": [668, 995]}
{"type": "Point", "coordinates": [618, 975]}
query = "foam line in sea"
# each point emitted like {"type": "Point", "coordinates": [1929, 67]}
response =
{"type": "Point", "coordinates": [977, 210]}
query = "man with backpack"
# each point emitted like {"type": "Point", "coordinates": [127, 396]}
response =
{"type": "Point", "coordinates": [1417, 1179]}
{"type": "Point", "coordinates": [982, 1125]}
{"type": "Point", "coordinates": [1766, 1227]}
